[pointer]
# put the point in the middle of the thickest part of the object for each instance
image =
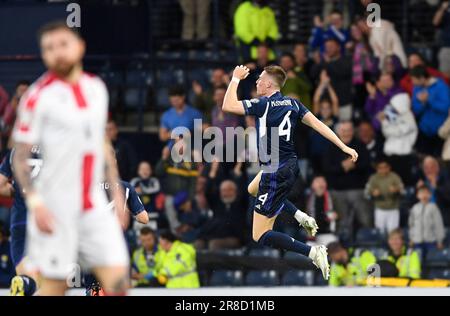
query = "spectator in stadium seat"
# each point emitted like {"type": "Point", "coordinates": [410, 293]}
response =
{"type": "Point", "coordinates": [442, 20]}
{"type": "Point", "coordinates": [385, 188]}
{"type": "Point", "coordinates": [339, 69]}
{"type": "Point", "coordinates": [363, 66]}
{"type": "Point", "coordinates": [204, 96]}
{"type": "Point", "coordinates": [148, 187]}
{"type": "Point", "coordinates": [298, 86]}
{"type": "Point", "coordinates": [190, 217]}
{"type": "Point", "coordinates": [416, 59]}
{"type": "Point", "coordinates": [384, 41]}
{"type": "Point", "coordinates": [399, 128]}
{"type": "Point", "coordinates": [175, 177]}
{"type": "Point", "coordinates": [144, 258]}
{"type": "Point", "coordinates": [255, 24]}
{"type": "Point", "coordinates": [438, 182]}
{"type": "Point", "coordinates": [125, 154]}
{"type": "Point", "coordinates": [444, 133]}
{"type": "Point", "coordinates": [426, 228]}
{"type": "Point", "coordinates": [221, 119]}
{"type": "Point", "coordinates": [373, 143]}
{"type": "Point", "coordinates": [176, 263]}
{"type": "Point", "coordinates": [225, 230]}
{"type": "Point", "coordinates": [349, 267]}
{"type": "Point", "coordinates": [379, 96]}
{"type": "Point", "coordinates": [347, 180]}
{"type": "Point", "coordinates": [302, 62]}
{"type": "Point", "coordinates": [326, 108]}
{"type": "Point", "coordinates": [406, 260]}
{"type": "Point", "coordinates": [335, 30]}
{"type": "Point", "coordinates": [430, 103]}
{"type": "Point", "coordinates": [179, 115]}
{"type": "Point", "coordinates": [196, 18]}
{"type": "Point", "coordinates": [320, 206]}
{"type": "Point", "coordinates": [7, 270]}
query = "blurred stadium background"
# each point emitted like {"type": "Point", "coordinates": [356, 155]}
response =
{"type": "Point", "coordinates": [147, 51]}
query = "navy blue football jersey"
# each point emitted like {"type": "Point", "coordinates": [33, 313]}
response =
{"type": "Point", "coordinates": [276, 118]}
{"type": "Point", "coordinates": [19, 209]}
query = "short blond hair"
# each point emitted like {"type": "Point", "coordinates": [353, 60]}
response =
{"type": "Point", "coordinates": [277, 73]}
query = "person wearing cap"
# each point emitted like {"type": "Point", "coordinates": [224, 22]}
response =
{"type": "Point", "coordinates": [349, 267]}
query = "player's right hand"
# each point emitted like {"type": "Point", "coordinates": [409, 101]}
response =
{"type": "Point", "coordinates": [351, 152]}
{"type": "Point", "coordinates": [241, 72]}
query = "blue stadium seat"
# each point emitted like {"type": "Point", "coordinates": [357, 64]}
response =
{"type": "Point", "coordinates": [262, 278]}
{"type": "Point", "coordinates": [439, 274]}
{"type": "Point", "coordinates": [231, 252]}
{"type": "Point", "coordinates": [438, 258]}
{"type": "Point", "coordinates": [264, 252]}
{"type": "Point", "coordinates": [369, 237]}
{"type": "Point", "coordinates": [226, 278]}
{"type": "Point", "coordinates": [134, 97]}
{"type": "Point", "coordinates": [447, 237]}
{"type": "Point", "coordinates": [378, 252]}
{"type": "Point", "coordinates": [298, 278]}
{"type": "Point", "coordinates": [162, 98]}
{"type": "Point", "coordinates": [319, 280]}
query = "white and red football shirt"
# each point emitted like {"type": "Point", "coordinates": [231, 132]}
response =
{"type": "Point", "coordinates": [68, 122]}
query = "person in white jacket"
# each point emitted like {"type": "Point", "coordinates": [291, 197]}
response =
{"type": "Point", "coordinates": [384, 41]}
{"type": "Point", "coordinates": [399, 127]}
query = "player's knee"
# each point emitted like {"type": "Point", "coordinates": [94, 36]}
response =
{"type": "Point", "coordinates": [256, 235]}
{"type": "Point", "coordinates": [251, 190]}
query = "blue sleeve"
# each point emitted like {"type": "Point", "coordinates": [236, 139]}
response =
{"type": "Point", "coordinates": [439, 101]}
{"type": "Point", "coordinates": [133, 201]}
{"type": "Point", "coordinates": [316, 40]}
{"type": "Point", "coordinates": [302, 110]}
{"type": "Point", "coordinates": [165, 120]}
{"type": "Point", "coordinates": [5, 166]}
{"type": "Point", "coordinates": [197, 114]}
{"type": "Point", "coordinates": [255, 107]}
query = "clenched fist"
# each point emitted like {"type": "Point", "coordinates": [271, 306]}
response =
{"type": "Point", "coordinates": [241, 72]}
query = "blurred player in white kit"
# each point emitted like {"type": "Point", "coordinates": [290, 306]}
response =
{"type": "Point", "coordinates": [65, 112]}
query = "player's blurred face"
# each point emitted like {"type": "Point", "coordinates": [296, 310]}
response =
{"type": "Point", "coordinates": [145, 170]}
{"type": "Point", "coordinates": [147, 241]}
{"type": "Point", "coordinates": [61, 51]}
{"type": "Point", "coordinates": [177, 101]}
{"type": "Point", "coordinates": [414, 60]}
{"type": "Point", "coordinates": [263, 84]}
{"type": "Point", "coordinates": [396, 243]}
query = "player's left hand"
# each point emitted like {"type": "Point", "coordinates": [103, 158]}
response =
{"type": "Point", "coordinates": [351, 152]}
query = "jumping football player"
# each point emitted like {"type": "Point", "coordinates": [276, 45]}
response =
{"type": "Point", "coordinates": [277, 116]}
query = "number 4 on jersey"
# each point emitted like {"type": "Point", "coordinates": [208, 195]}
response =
{"type": "Point", "coordinates": [285, 127]}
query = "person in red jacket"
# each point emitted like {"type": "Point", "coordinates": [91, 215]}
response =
{"type": "Point", "coordinates": [415, 59]}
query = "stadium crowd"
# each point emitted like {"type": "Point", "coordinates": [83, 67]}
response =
{"type": "Point", "coordinates": [391, 105]}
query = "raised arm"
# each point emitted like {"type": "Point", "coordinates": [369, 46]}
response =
{"type": "Point", "coordinates": [231, 104]}
{"type": "Point", "coordinates": [312, 121]}
{"type": "Point", "coordinates": [437, 19]}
